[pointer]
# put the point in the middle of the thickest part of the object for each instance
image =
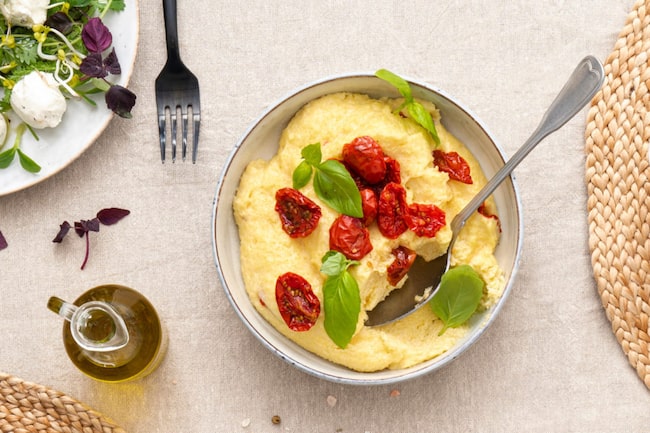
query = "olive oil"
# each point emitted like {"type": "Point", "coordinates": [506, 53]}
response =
{"type": "Point", "coordinates": [147, 342]}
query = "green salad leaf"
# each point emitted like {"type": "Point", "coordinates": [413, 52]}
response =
{"type": "Point", "coordinates": [27, 163]}
{"type": "Point", "coordinates": [415, 109]}
{"type": "Point", "coordinates": [332, 181]}
{"type": "Point", "coordinates": [100, 5]}
{"type": "Point", "coordinates": [341, 298]}
{"type": "Point", "coordinates": [458, 297]}
{"type": "Point", "coordinates": [7, 156]}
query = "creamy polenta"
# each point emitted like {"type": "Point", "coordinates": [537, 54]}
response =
{"type": "Point", "coordinates": [267, 251]}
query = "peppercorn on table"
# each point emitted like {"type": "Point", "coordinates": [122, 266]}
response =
{"type": "Point", "coordinates": [549, 362]}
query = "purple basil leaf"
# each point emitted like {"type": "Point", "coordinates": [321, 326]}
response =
{"type": "Point", "coordinates": [96, 36]}
{"type": "Point", "coordinates": [111, 215]}
{"type": "Point", "coordinates": [121, 100]}
{"type": "Point", "coordinates": [79, 228]}
{"type": "Point", "coordinates": [3, 242]}
{"type": "Point", "coordinates": [59, 21]}
{"type": "Point", "coordinates": [63, 230]}
{"type": "Point", "coordinates": [111, 64]}
{"type": "Point", "coordinates": [93, 66]}
{"type": "Point", "coordinates": [93, 225]}
{"type": "Point", "coordinates": [84, 226]}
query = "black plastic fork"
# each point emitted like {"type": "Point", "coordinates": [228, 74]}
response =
{"type": "Point", "coordinates": [177, 88]}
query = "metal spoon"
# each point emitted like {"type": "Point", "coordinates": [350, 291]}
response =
{"type": "Point", "coordinates": [581, 87]}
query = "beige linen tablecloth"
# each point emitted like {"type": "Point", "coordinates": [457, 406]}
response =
{"type": "Point", "coordinates": [550, 361]}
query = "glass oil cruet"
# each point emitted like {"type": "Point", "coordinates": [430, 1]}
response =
{"type": "Point", "coordinates": [112, 333]}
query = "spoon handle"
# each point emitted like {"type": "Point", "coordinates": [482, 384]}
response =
{"type": "Point", "coordinates": [582, 85]}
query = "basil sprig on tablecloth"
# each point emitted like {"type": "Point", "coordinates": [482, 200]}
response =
{"type": "Point", "coordinates": [332, 181]}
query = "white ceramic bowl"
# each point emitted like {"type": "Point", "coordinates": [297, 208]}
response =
{"type": "Point", "coordinates": [261, 141]}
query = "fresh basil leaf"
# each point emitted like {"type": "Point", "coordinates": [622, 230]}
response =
{"type": "Point", "coordinates": [334, 185]}
{"type": "Point", "coordinates": [335, 262]}
{"type": "Point", "coordinates": [6, 157]}
{"type": "Point", "coordinates": [341, 298]}
{"type": "Point", "coordinates": [332, 181]}
{"type": "Point", "coordinates": [341, 305]}
{"type": "Point", "coordinates": [423, 117]}
{"type": "Point", "coordinates": [398, 82]}
{"type": "Point", "coordinates": [301, 175]}
{"type": "Point", "coordinates": [312, 154]}
{"type": "Point", "coordinates": [27, 163]}
{"type": "Point", "coordinates": [414, 108]}
{"type": "Point", "coordinates": [458, 297]}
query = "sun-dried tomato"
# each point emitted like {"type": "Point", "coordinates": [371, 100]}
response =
{"type": "Point", "coordinates": [453, 164]}
{"type": "Point", "coordinates": [425, 219]}
{"type": "Point", "coordinates": [391, 211]}
{"type": "Point", "coordinates": [350, 237]}
{"type": "Point", "coordinates": [393, 174]}
{"type": "Point", "coordinates": [369, 205]}
{"type": "Point", "coordinates": [482, 209]}
{"type": "Point", "coordinates": [299, 215]}
{"type": "Point", "coordinates": [404, 258]}
{"type": "Point", "coordinates": [393, 171]}
{"type": "Point", "coordinates": [366, 158]}
{"type": "Point", "coordinates": [298, 305]}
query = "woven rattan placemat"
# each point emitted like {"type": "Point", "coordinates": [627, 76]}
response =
{"type": "Point", "coordinates": [617, 171]}
{"type": "Point", "coordinates": [28, 407]}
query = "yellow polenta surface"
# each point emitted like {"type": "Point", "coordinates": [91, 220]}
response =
{"type": "Point", "coordinates": [267, 251]}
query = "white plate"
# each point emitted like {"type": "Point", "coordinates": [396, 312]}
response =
{"type": "Point", "coordinates": [82, 123]}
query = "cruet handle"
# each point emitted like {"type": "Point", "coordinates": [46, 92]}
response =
{"type": "Point", "coordinates": [95, 326]}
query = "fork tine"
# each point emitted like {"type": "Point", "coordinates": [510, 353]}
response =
{"type": "Point", "coordinates": [162, 133]}
{"type": "Point", "coordinates": [195, 140]}
{"type": "Point", "coordinates": [174, 133]}
{"type": "Point", "coordinates": [184, 132]}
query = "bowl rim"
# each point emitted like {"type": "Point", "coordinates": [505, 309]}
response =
{"type": "Point", "coordinates": [412, 372]}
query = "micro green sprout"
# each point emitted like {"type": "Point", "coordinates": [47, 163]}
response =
{"type": "Point", "coordinates": [25, 161]}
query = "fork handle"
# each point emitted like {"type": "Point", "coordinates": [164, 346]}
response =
{"type": "Point", "coordinates": [171, 30]}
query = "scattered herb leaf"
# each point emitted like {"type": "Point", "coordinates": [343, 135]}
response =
{"type": "Point", "coordinates": [82, 227]}
{"type": "Point", "coordinates": [415, 109]}
{"type": "Point", "coordinates": [111, 215]}
{"type": "Point", "coordinates": [460, 292]}
{"type": "Point", "coordinates": [64, 228]}
{"type": "Point", "coordinates": [3, 242]}
{"type": "Point", "coordinates": [108, 216]}
{"type": "Point", "coordinates": [341, 298]}
{"type": "Point", "coordinates": [333, 183]}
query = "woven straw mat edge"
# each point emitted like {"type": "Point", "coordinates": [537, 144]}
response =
{"type": "Point", "coordinates": [28, 407]}
{"type": "Point", "coordinates": [617, 171]}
